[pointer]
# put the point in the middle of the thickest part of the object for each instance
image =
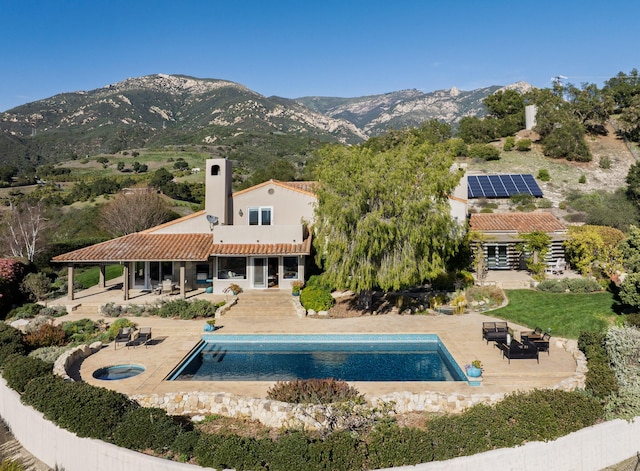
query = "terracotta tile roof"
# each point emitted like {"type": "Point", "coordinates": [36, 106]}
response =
{"type": "Point", "coordinates": [303, 248]}
{"type": "Point", "coordinates": [516, 222]}
{"type": "Point", "coordinates": [175, 247]}
{"type": "Point", "coordinates": [142, 246]}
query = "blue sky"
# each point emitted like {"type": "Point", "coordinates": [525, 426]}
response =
{"type": "Point", "coordinates": [297, 48]}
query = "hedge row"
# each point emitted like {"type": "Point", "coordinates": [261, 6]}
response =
{"type": "Point", "coordinates": [90, 411]}
{"type": "Point", "coordinates": [600, 379]}
{"type": "Point", "coordinates": [573, 285]}
{"type": "Point", "coordinates": [519, 418]}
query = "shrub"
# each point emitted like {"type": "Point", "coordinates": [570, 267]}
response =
{"type": "Point", "coordinates": [493, 294]}
{"type": "Point", "coordinates": [451, 281]}
{"type": "Point", "coordinates": [48, 335]}
{"type": "Point", "coordinates": [232, 451]}
{"type": "Point", "coordinates": [49, 354]}
{"type": "Point", "coordinates": [201, 308]}
{"type": "Point", "coordinates": [600, 379]}
{"type": "Point", "coordinates": [393, 446]}
{"type": "Point", "coordinates": [11, 274]}
{"type": "Point", "coordinates": [37, 285]}
{"type": "Point", "coordinates": [54, 311]}
{"type": "Point", "coordinates": [623, 349]}
{"type": "Point", "coordinates": [484, 152]}
{"type": "Point", "coordinates": [318, 281]}
{"type": "Point", "coordinates": [10, 342]}
{"type": "Point", "coordinates": [174, 308]}
{"type": "Point", "coordinates": [81, 330]}
{"type": "Point", "coordinates": [85, 410]}
{"type": "Point", "coordinates": [574, 285]}
{"type": "Point", "coordinates": [111, 310]}
{"type": "Point", "coordinates": [632, 320]}
{"type": "Point", "coordinates": [605, 163]}
{"type": "Point", "coordinates": [145, 428]}
{"type": "Point", "coordinates": [313, 391]}
{"type": "Point", "coordinates": [10, 465]}
{"type": "Point", "coordinates": [316, 298]}
{"type": "Point", "coordinates": [26, 311]}
{"type": "Point", "coordinates": [582, 179]}
{"type": "Point", "coordinates": [523, 145]}
{"type": "Point", "coordinates": [118, 324]}
{"type": "Point", "coordinates": [509, 143]}
{"type": "Point", "coordinates": [185, 443]}
{"type": "Point", "coordinates": [583, 285]}
{"type": "Point", "coordinates": [543, 175]}
{"type": "Point", "coordinates": [553, 286]}
{"type": "Point", "coordinates": [544, 203]}
{"type": "Point", "coordinates": [19, 370]}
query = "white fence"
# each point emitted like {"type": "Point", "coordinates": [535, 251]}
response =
{"type": "Point", "coordinates": [593, 448]}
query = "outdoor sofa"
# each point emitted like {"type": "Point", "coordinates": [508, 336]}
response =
{"type": "Point", "coordinates": [539, 339]}
{"type": "Point", "coordinates": [525, 350]}
{"type": "Point", "coordinates": [495, 331]}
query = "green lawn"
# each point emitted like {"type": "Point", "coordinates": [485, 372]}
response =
{"type": "Point", "coordinates": [90, 276]}
{"type": "Point", "coordinates": [566, 314]}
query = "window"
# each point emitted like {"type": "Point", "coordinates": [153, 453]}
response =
{"type": "Point", "coordinates": [290, 268]}
{"type": "Point", "coordinates": [232, 268]}
{"type": "Point", "coordinates": [260, 216]}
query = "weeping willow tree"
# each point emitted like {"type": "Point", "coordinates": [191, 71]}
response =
{"type": "Point", "coordinates": [383, 217]}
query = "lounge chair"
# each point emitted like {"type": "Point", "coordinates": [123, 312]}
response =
{"type": "Point", "coordinates": [495, 331]}
{"type": "Point", "coordinates": [123, 336]}
{"type": "Point", "coordinates": [143, 337]}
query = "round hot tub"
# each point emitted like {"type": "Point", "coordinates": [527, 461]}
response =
{"type": "Point", "coordinates": [112, 373]}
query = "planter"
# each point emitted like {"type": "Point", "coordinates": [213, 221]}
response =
{"type": "Point", "coordinates": [295, 293]}
{"type": "Point", "coordinates": [474, 372]}
{"type": "Point", "coordinates": [209, 328]}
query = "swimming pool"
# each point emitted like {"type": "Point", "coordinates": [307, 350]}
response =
{"type": "Point", "coordinates": [406, 357]}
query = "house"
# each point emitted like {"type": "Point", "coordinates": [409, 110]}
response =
{"type": "Point", "coordinates": [501, 233]}
{"type": "Point", "coordinates": [257, 238]}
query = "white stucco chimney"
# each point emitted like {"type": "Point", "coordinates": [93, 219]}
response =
{"type": "Point", "coordinates": [218, 201]}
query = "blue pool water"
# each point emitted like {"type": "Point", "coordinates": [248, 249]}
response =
{"type": "Point", "coordinates": [112, 373]}
{"type": "Point", "coordinates": [346, 357]}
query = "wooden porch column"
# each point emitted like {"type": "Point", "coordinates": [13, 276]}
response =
{"type": "Point", "coordinates": [182, 278]}
{"type": "Point", "coordinates": [70, 282]}
{"type": "Point", "coordinates": [102, 281]}
{"type": "Point", "coordinates": [125, 282]}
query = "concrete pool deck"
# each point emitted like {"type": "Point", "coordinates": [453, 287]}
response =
{"type": "Point", "coordinates": [461, 334]}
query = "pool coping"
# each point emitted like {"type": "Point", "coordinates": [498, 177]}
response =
{"type": "Point", "coordinates": [452, 364]}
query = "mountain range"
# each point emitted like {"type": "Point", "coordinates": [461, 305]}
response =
{"type": "Point", "coordinates": [160, 109]}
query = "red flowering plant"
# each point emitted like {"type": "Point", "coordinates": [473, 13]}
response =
{"type": "Point", "coordinates": [11, 274]}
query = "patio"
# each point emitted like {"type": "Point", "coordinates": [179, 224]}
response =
{"type": "Point", "coordinates": [173, 340]}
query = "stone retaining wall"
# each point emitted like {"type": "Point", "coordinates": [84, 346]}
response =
{"type": "Point", "coordinates": [281, 414]}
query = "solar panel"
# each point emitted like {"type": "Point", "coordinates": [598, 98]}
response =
{"type": "Point", "coordinates": [534, 189]}
{"type": "Point", "coordinates": [501, 186]}
{"type": "Point", "coordinates": [498, 186]}
{"type": "Point", "coordinates": [474, 189]}
{"type": "Point", "coordinates": [487, 187]}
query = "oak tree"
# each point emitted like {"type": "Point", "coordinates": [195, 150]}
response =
{"type": "Point", "coordinates": [134, 211]}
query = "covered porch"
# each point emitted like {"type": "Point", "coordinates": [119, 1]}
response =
{"type": "Point", "coordinates": [149, 261]}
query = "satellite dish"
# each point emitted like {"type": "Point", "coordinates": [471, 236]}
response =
{"type": "Point", "coordinates": [212, 219]}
